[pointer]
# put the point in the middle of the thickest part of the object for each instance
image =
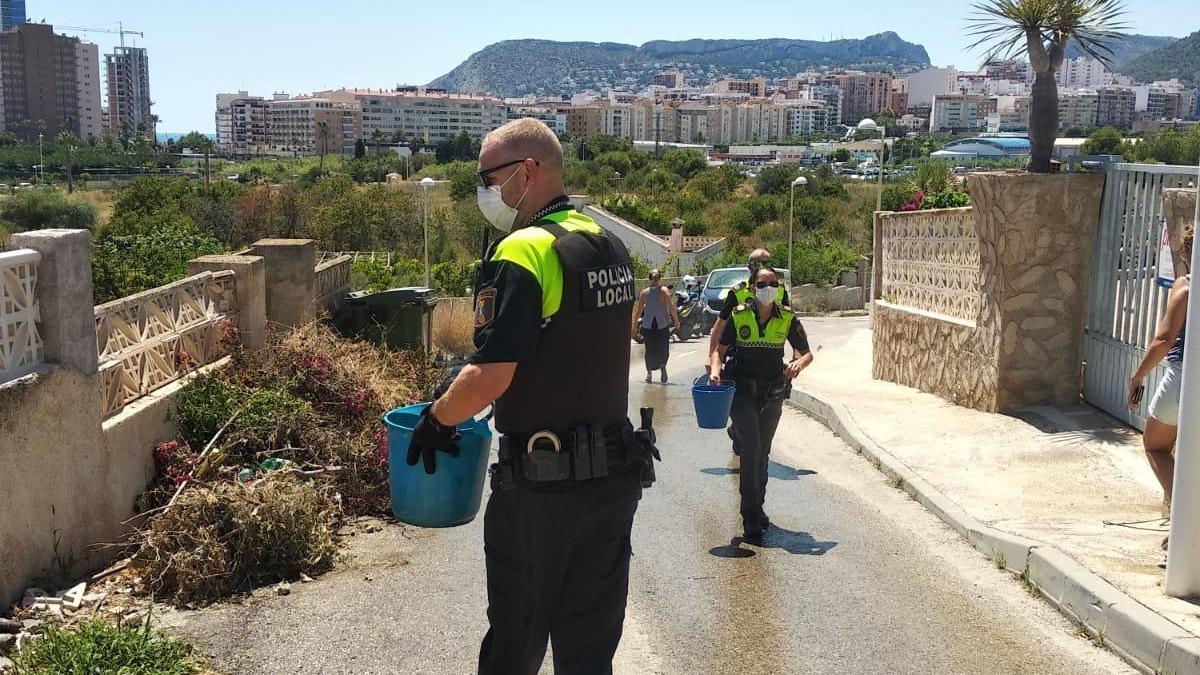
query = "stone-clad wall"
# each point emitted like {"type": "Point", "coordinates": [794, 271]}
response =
{"type": "Point", "coordinates": [1040, 228]}
{"type": "Point", "coordinates": [952, 357]}
{"type": "Point", "coordinates": [1025, 343]}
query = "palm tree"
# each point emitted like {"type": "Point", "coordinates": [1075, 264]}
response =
{"type": "Point", "coordinates": [323, 145]}
{"type": "Point", "coordinates": [1041, 30]}
{"type": "Point", "coordinates": [68, 142]}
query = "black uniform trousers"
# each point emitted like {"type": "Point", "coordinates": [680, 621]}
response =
{"type": "Point", "coordinates": [558, 568]}
{"type": "Point", "coordinates": [757, 406]}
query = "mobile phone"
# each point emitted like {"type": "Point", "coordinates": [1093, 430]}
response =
{"type": "Point", "coordinates": [1137, 394]}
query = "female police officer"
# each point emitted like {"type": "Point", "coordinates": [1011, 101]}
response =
{"type": "Point", "coordinates": [758, 331]}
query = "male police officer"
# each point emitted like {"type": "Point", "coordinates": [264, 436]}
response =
{"type": "Point", "coordinates": [552, 351]}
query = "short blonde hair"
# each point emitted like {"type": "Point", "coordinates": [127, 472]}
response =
{"type": "Point", "coordinates": [528, 137]}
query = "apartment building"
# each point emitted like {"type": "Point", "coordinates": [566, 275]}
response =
{"type": "Point", "coordinates": [294, 126]}
{"type": "Point", "coordinates": [248, 127]}
{"type": "Point", "coordinates": [127, 72]}
{"type": "Point", "coordinates": [832, 96]}
{"type": "Point", "coordinates": [430, 115]}
{"type": "Point", "coordinates": [898, 98]}
{"type": "Point", "coordinates": [1084, 72]}
{"type": "Point", "coordinates": [89, 121]}
{"type": "Point", "coordinates": [1116, 107]}
{"type": "Point", "coordinates": [960, 112]}
{"type": "Point", "coordinates": [653, 121]}
{"type": "Point", "coordinates": [671, 79]}
{"type": "Point", "coordinates": [1078, 109]}
{"type": "Point", "coordinates": [810, 117]}
{"type": "Point", "coordinates": [584, 120]}
{"type": "Point", "coordinates": [760, 121]}
{"type": "Point", "coordinates": [693, 122]}
{"type": "Point", "coordinates": [721, 121]}
{"type": "Point", "coordinates": [864, 94]}
{"type": "Point", "coordinates": [48, 83]}
{"type": "Point", "coordinates": [756, 87]}
{"type": "Point", "coordinates": [550, 116]}
{"type": "Point", "coordinates": [923, 86]}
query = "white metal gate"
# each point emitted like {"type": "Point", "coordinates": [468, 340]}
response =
{"type": "Point", "coordinates": [1126, 302]}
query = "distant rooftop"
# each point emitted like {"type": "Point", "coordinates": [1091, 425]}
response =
{"type": "Point", "coordinates": [1003, 142]}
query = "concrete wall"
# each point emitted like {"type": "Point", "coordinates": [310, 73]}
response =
{"type": "Point", "coordinates": [1179, 210]}
{"type": "Point", "coordinates": [651, 248]}
{"type": "Point", "coordinates": [69, 480]}
{"type": "Point", "coordinates": [1041, 229]}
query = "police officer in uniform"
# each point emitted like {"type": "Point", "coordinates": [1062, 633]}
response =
{"type": "Point", "coordinates": [758, 331]}
{"type": "Point", "coordinates": [741, 295]}
{"type": "Point", "coordinates": [552, 351]}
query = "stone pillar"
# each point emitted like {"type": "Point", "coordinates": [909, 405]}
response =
{"type": "Point", "coordinates": [1040, 229]}
{"type": "Point", "coordinates": [876, 258]}
{"type": "Point", "coordinates": [291, 279]}
{"type": "Point", "coordinates": [249, 272]}
{"type": "Point", "coordinates": [64, 290]}
{"type": "Point", "coordinates": [1179, 209]}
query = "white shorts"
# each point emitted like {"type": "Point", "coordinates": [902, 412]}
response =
{"type": "Point", "coordinates": [1164, 407]}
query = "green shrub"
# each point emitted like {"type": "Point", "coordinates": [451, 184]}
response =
{"type": "Point", "coordinates": [818, 259]}
{"type": "Point", "coordinates": [98, 647]}
{"type": "Point", "coordinates": [207, 403]}
{"type": "Point", "coordinates": [124, 264]}
{"type": "Point", "coordinates": [46, 207]}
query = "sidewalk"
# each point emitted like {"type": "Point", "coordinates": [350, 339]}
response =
{"type": "Point", "coordinates": [1033, 489]}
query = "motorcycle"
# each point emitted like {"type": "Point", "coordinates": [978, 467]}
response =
{"type": "Point", "coordinates": [687, 304]}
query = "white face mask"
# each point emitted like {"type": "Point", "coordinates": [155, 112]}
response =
{"type": "Point", "coordinates": [766, 296]}
{"type": "Point", "coordinates": [491, 203]}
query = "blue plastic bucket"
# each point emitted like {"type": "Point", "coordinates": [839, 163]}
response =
{"type": "Point", "coordinates": [712, 404]}
{"type": "Point", "coordinates": [451, 496]}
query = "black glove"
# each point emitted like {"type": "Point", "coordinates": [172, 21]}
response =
{"type": "Point", "coordinates": [428, 437]}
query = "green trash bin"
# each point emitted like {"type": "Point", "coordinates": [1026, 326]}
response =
{"type": "Point", "coordinates": [398, 318]}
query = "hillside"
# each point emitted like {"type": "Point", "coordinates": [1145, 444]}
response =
{"type": "Point", "coordinates": [1130, 48]}
{"type": "Point", "coordinates": [518, 67]}
{"type": "Point", "coordinates": [1181, 59]}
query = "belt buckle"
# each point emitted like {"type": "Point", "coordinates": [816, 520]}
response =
{"type": "Point", "coordinates": [547, 435]}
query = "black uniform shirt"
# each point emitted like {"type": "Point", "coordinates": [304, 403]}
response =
{"type": "Point", "coordinates": [762, 363]}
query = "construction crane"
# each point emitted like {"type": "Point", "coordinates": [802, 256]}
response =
{"type": "Point", "coordinates": [119, 31]}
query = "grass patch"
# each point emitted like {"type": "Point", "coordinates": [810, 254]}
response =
{"type": "Point", "coordinates": [1000, 560]}
{"type": "Point", "coordinates": [1028, 584]}
{"type": "Point", "coordinates": [99, 647]}
{"type": "Point", "coordinates": [898, 483]}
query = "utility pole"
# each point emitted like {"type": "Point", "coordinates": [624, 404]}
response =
{"type": "Point", "coordinates": [1183, 554]}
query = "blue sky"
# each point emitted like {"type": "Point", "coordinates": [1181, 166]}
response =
{"type": "Point", "coordinates": [198, 48]}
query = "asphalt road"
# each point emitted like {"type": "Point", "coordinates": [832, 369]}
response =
{"type": "Point", "coordinates": [853, 578]}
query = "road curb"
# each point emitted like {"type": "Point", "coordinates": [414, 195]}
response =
{"type": "Point", "coordinates": [1146, 640]}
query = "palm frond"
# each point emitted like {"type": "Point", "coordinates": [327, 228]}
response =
{"type": "Point", "coordinates": [1000, 26]}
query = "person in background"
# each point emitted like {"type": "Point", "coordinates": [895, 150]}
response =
{"type": "Point", "coordinates": [1162, 424]}
{"type": "Point", "coordinates": [655, 312]}
{"type": "Point", "coordinates": [758, 331]}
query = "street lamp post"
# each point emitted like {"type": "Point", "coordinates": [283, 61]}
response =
{"type": "Point", "coordinates": [1183, 552]}
{"type": "Point", "coordinates": [426, 183]}
{"type": "Point", "coordinates": [41, 161]}
{"type": "Point", "coordinates": [800, 180]}
{"type": "Point", "coordinates": [869, 124]}
{"type": "Point", "coordinates": [657, 126]}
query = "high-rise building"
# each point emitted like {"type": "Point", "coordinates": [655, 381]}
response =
{"type": "Point", "coordinates": [12, 13]}
{"type": "Point", "coordinates": [670, 79]}
{"type": "Point", "coordinates": [584, 120]}
{"type": "Point", "coordinates": [224, 119]}
{"type": "Point", "coordinates": [550, 116]}
{"type": "Point", "coordinates": [810, 117]}
{"type": "Point", "coordinates": [1083, 72]}
{"type": "Point", "coordinates": [1116, 107]}
{"type": "Point", "coordinates": [832, 96]}
{"type": "Point", "coordinates": [49, 83]}
{"type": "Point", "coordinates": [128, 76]}
{"type": "Point", "coordinates": [1078, 109]}
{"type": "Point", "coordinates": [898, 98]}
{"type": "Point", "coordinates": [923, 86]}
{"type": "Point", "coordinates": [864, 94]}
{"type": "Point", "coordinates": [960, 112]}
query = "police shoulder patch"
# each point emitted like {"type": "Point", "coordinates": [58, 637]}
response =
{"type": "Point", "coordinates": [485, 306]}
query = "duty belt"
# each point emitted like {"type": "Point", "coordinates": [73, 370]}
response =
{"type": "Point", "coordinates": [583, 453]}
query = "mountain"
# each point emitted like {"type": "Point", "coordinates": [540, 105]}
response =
{"type": "Point", "coordinates": [1129, 48]}
{"type": "Point", "coordinates": [1181, 59]}
{"type": "Point", "coordinates": [519, 67]}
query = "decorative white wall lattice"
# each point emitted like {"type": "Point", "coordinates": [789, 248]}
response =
{"type": "Point", "coordinates": [333, 281]}
{"type": "Point", "coordinates": [20, 342]}
{"type": "Point", "coordinates": [150, 339]}
{"type": "Point", "coordinates": [931, 262]}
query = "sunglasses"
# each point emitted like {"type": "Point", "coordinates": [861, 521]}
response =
{"type": "Point", "coordinates": [484, 173]}
{"type": "Point", "coordinates": [767, 284]}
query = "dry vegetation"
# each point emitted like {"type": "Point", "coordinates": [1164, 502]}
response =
{"type": "Point", "coordinates": [454, 326]}
{"type": "Point", "coordinates": [275, 451]}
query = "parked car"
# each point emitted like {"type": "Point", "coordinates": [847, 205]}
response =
{"type": "Point", "coordinates": [719, 284]}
